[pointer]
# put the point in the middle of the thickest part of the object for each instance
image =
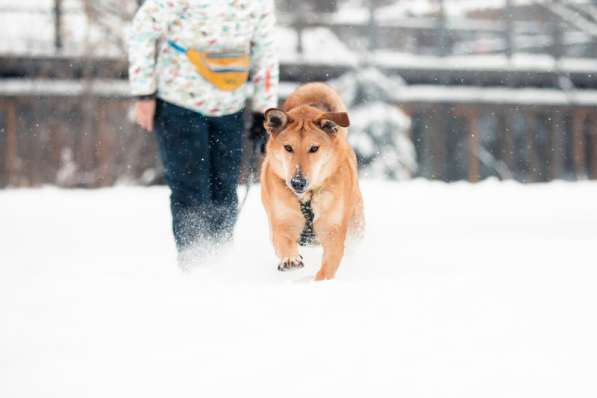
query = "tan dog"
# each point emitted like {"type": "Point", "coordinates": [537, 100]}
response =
{"type": "Point", "coordinates": [309, 180]}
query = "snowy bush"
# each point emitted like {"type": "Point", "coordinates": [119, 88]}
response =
{"type": "Point", "coordinates": [379, 130]}
{"type": "Point", "coordinates": [318, 45]}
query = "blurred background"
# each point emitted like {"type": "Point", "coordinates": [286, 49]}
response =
{"type": "Point", "coordinates": [441, 89]}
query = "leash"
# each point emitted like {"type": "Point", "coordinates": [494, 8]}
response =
{"type": "Point", "coordinates": [251, 176]}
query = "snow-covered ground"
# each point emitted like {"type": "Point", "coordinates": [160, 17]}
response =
{"type": "Point", "coordinates": [457, 291]}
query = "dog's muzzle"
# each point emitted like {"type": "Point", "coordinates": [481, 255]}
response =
{"type": "Point", "coordinates": [298, 183]}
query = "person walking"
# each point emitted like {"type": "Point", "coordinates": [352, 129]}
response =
{"type": "Point", "coordinates": [189, 65]}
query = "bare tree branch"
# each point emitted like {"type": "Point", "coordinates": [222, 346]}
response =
{"type": "Point", "coordinates": [573, 17]}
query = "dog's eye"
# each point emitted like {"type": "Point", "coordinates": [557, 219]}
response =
{"type": "Point", "coordinates": [288, 148]}
{"type": "Point", "coordinates": [314, 149]}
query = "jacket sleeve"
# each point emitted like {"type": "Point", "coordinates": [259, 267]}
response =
{"type": "Point", "coordinates": [264, 65]}
{"type": "Point", "coordinates": [148, 26]}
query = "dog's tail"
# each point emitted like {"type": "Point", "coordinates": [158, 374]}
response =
{"type": "Point", "coordinates": [318, 95]}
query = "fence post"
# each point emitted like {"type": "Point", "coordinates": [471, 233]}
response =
{"type": "Point", "coordinates": [58, 44]}
{"type": "Point", "coordinates": [507, 143]}
{"type": "Point", "coordinates": [558, 145]}
{"type": "Point", "coordinates": [508, 125]}
{"type": "Point", "coordinates": [104, 148]}
{"type": "Point", "coordinates": [11, 143]}
{"type": "Point", "coordinates": [593, 133]}
{"type": "Point", "coordinates": [474, 142]}
{"type": "Point", "coordinates": [443, 42]}
{"type": "Point", "coordinates": [533, 161]}
{"type": "Point", "coordinates": [372, 25]}
{"type": "Point", "coordinates": [438, 143]}
{"type": "Point", "coordinates": [429, 139]}
{"type": "Point", "coordinates": [509, 30]}
{"type": "Point", "coordinates": [557, 46]}
{"type": "Point", "coordinates": [578, 136]}
{"type": "Point", "coordinates": [299, 25]}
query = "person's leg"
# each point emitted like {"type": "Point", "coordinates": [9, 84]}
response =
{"type": "Point", "coordinates": [182, 137]}
{"type": "Point", "coordinates": [225, 135]}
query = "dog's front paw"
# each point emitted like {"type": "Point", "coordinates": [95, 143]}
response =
{"type": "Point", "coordinates": [289, 263]}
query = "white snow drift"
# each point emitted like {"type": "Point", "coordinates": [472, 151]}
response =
{"type": "Point", "coordinates": [457, 291]}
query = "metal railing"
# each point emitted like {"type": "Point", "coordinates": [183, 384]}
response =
{"type": "Point", "coordinates": [549, 32]}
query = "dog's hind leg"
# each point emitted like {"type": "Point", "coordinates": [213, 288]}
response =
{"type": "Point", "coordinates": [357, 221]}
{"type": "Point", "coordinates": [333, 251]}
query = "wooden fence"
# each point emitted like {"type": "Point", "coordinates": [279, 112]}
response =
{"type": "Point", "coordinates": [73, 142]}
{"type": "Point", "coordinates": [529, 144]}
{"type": "Point", "coordinates": [85, 140]}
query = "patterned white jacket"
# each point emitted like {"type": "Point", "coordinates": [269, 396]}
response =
{"type": "Point", "coordinates": [204, 25]}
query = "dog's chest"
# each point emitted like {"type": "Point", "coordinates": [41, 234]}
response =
{"type": "Point", "coordinates": [327, 206]}
{"type": "Point", "coordinates": [323, 206]}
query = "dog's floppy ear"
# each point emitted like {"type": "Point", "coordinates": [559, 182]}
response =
{"type": "Point", "coordinates": [275, 121]}
{"type": "Point", "coordinates": [330, 121]}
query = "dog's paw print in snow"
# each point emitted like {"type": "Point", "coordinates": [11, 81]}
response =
{"type": "Point", "coordinates": [289, 263]}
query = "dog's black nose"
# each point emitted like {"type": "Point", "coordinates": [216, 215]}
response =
{"type": "Point", "coordinates": [298, 183]}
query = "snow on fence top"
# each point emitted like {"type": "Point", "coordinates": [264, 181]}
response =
{"type": "Point", "coordinates": [406, 94]}
{"type": "Point", "coordinates": [483, 95]}
{"type": "Point", "coordinates": [497, 95]}
{"type": "Point", "coordinates": [63, 88]}
{"type": "Point", "coordinates": [518, 62]}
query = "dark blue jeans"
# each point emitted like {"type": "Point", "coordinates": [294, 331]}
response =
{"type": "Point", "coordinates": [201, 157]}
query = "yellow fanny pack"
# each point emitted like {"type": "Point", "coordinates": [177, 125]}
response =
{"type": "Point", "coordinates": [228, 71]}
